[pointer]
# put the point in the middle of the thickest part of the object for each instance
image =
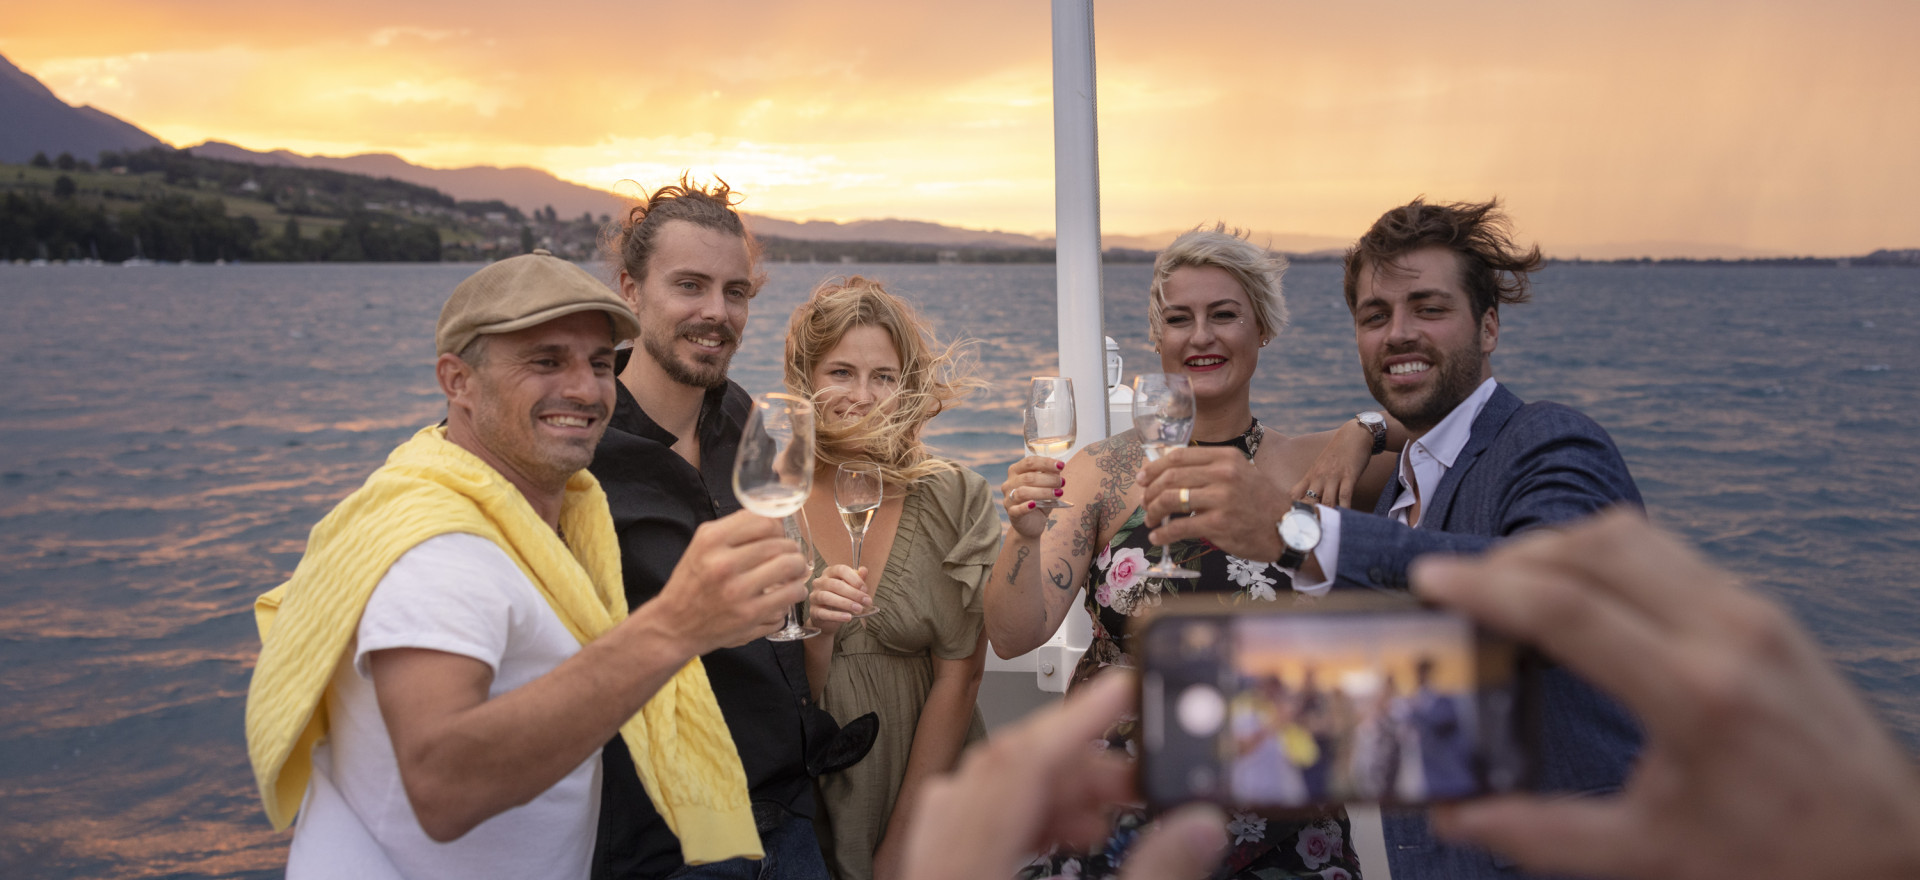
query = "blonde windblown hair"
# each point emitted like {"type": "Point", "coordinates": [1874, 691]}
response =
{"type": "Point", "coordinates": [1257, 269]}
{"type": "Point", "coordinates": [932, 376]}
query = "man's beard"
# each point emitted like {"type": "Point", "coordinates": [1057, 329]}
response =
{"type": "Point", "coordinates": [1457, 375]}
{"type": "Point", "coordinates": [696, 374]}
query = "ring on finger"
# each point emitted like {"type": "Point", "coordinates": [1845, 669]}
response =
{"type": "Point", "coordinates": [1186, 501]}
{"type": "Point", "coordinates": [1313, 495]}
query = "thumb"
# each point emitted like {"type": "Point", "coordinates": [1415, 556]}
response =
{"type": "Point", "coordinates": [1185, 844]}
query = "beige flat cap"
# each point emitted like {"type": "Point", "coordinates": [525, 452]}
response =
{"type": "Point", "coordinates": [521, 292]}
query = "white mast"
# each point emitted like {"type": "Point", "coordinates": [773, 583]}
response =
{"type": "Point", "coordinates": [1076, 231]}
{"type": "Point", "coordinates": [1076, 212]}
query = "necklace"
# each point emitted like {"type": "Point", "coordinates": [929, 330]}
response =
{"type": "Point", "coordinates": [1248, 441]}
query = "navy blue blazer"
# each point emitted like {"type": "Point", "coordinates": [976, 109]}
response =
{"type": "Point", "coordinates": [1525, 465]}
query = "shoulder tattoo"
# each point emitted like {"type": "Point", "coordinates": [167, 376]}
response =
{"type": "Point", "coordinates": [1119, 458]}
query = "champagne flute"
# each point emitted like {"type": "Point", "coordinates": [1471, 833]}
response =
{"type": "Point", "coordinates": [773, 473]}
{"type": "Point", "coordinates": [1049, 423]}
{"type": "Point", "coordinates": [857, 489]}
{"type": "Point", "coordinates": [1163, 414]}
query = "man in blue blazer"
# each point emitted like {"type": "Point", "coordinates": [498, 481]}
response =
{"type": "Point", "coordinates": [1425, 286]}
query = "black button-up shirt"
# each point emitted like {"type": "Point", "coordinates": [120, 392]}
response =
{"type": "Point", "coordinates": [658, 499]}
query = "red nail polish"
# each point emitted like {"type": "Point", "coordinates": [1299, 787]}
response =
{"type": "Point", "coordinates": [1030, 504]}
{"type": "Point", "coordinates": [1058, 492]}
{"type": "Point", "coordinates": [1059, 465]}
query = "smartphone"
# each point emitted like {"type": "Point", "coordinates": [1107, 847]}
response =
{"type": "Point", "coordinates": [1350, 698]}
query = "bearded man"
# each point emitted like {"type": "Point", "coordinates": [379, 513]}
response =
{"type": "Point", "coordinates": [439, 675]}
{"type": "Point", "coordinates": [1425, 286]}
{"type": "Point", "coordinates": [687, 266]}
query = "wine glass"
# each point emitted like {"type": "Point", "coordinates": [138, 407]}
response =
{"type": "Point", "coordinates": [1163, 414]}
{"type": "Point", "coordinates": [773, 473]}
{"type": "Point", "coordinates": [857, 488]}
{"type": "Point", "coordinates": [1049, 422]}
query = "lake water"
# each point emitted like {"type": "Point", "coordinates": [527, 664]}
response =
{"type": "Point", "coordinates": [169, 434]}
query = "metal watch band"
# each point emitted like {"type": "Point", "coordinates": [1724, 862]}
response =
{"type": "Point", "coordinates": [1378, 428]}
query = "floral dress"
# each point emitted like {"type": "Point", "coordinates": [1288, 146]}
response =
{"type": "Point", "coordinates": [1259, 848]}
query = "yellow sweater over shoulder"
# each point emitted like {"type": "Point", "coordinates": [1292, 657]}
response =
{"type": "Point", "coordinates": [429, 486]}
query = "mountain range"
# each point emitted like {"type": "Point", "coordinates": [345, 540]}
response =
{"type": "Point", "coordinates": [33, 120]}
{"type": "Point", "coordinates": [531, 189]}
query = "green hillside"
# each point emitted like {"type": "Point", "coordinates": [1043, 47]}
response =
{"type": "Point", "coordinates": [162, 204]}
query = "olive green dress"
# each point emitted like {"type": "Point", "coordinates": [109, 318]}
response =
{"type": "Point", "coordinates": [927, 604]}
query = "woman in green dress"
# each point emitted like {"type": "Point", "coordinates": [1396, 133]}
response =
{"type": "Point", "coordinates": [877, 377]}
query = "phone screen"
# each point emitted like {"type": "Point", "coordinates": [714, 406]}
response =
{"type": "Point", "coordinates": [1279, 708]}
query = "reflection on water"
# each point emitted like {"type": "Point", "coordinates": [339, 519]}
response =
{"type": "Point", "coordinates": [168, 435]}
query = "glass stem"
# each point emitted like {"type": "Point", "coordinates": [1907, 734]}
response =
{"type": "Point", "coordinates": [793, 611]}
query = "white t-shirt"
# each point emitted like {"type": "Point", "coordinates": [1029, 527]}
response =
{"type": "Point", "coordinates": [459, 594]}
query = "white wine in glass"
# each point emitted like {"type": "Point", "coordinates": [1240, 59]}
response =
{"type": "Point", "coordinates": [857, 491]}
{"type": "Point", "coordinates": [773, 473]}
{"type": "Point", "coordinates": [1163, 414]}
{"type": "Point", "coordinates": [1049, 423]}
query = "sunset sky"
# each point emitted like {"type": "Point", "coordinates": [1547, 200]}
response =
{"type": "Point", "coordinates": [1743, 126]}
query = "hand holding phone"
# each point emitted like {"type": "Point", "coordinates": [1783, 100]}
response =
{"type": "Point", "coordinates": [1347, 699]}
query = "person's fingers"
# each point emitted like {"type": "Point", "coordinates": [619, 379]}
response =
{"type": "Point", "coordinates": [780, 576]}
{"type": "Point", "coordinates": [1020, 493]}
{"type": "Point", "coordinates": [739, 527]}
{"type": "Point", "coordinates": [1076, 721]}
{"type": "Point", "coordinates": [1049, 480]}
{"type": "Point", "coordinates": [842, 571]}
{"type": "Point", "coordinates": [1604, 639]}
{"type": "Point", "coordinates": [1173, 530]}
{"type": "Point", "coordinates": [1028, 494]}
{"type": "Point", "coordinates": [1551, 835]}
{"type": "Point", "coordinates": [833, 605]}
{"type": "Point", "coordinates": [822, 614]}
{"type": "Point", "coordinates": [1157, 503]}
{"type": "Point", "coordinates": [841, 591]}
{"type": "Point", "coordinates": [1033, 466]}
{"type": "Point", "coordinates": [1150, 471]}
{"type": "Point", "coordinates": [1085, 793]}
{"type": "Point", "coordinates": [737, 574]}
{"type": "Point", "coordinates": [1044, 464]}
{"type": "Point", "coordinates": [1344, 493]}
{"type": "Point", "coordinates": [1184, 844]}
{"type": "Point", "coordinates": [1206, 490]}
{"type": "Point", "coordinates": [1623, 554]}
{"type": "Point", "coordinates": [734, 547]}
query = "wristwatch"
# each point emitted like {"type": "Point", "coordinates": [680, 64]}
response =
{"type": "Point", "coordinates": [1376, 423]}
{"type": "Point", "coordinates": [1299, 534]}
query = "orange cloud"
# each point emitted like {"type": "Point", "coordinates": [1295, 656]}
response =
{"type": "Point", "coordinates": [1766, 127]}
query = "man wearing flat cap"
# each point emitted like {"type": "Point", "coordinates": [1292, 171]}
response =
{"type": "Point", "coordinates": [439, 675]}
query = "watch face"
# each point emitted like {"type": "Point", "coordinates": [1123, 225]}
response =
{"type": "Point", "coordinates": [1299, 530]}
{"type": "Point", "coordinates": [1371, 418]}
